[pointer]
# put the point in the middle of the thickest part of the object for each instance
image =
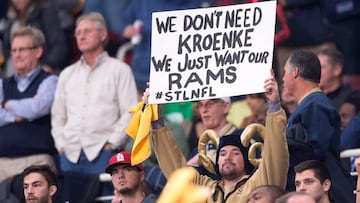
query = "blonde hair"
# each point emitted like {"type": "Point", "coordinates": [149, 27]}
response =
{"type": "Point", "coordinates": [99, 20]}
{"type": "Point", "coordinates": [37, 36]}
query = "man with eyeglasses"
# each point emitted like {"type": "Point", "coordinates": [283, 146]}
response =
{"type": "Point", "coordinates": [26, 99]}
{"type": "Point", "coordinates": [128, 180]}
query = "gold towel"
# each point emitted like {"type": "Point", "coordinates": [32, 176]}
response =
{"type": "Point", "coordinates": [181, 189]}
{"type": "Point", "coordinates": [139, 129]}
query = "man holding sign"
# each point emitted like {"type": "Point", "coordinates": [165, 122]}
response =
{"type": "Point", "coordinates": [231, 159]}
{"type": "Point", "coordinates": [219, 52]}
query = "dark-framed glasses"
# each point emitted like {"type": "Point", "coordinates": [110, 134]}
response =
{"type": "Point", "coordinates": [21, 49]}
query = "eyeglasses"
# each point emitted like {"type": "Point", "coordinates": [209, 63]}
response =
{"type": "Point", "coordinates": [85, 31]}
{"type": "Point", "coordinates": [210, 103]}
{"type": "Point", "coordinates": [21, 49]}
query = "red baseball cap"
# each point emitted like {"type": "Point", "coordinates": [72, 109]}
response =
{"type": "Point", "coordinates": [120, 158]}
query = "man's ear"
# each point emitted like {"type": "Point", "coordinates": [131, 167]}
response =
{"type": "Point", "coordinates": [52, 190]}
{"type": "Point", "coordinates": [104, 35]}
{"type": "Point", "coordinates": [39, 52]}
{"type": "Point", "coordinates": [142, 175]}
{"type": "Point", "coordinates": [227, 106]}
{"type": "Point", "coordinates": [295, 72]}
{"type": "Point", "coordinates": [326, 185]}
{"type": "Point", "coordinates": [337, 70]}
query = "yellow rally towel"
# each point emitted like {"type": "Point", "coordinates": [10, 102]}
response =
{"type": "Point", "coordinates": [139, 128]}
{"type": "Point", "coordinates": [181, 189]}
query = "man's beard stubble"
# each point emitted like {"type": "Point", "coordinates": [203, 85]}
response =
{"type": "Point", "coordinates": [129, 191]}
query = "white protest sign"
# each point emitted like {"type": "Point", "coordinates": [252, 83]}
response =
{"type": "Point", "coordinates": [211, 52]}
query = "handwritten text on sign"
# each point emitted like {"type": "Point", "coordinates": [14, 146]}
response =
{"type": "Point", "coordinates": [213, 52]}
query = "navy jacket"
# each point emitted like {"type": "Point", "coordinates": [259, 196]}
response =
{"type": "Point", "coordinates": [313, 132]}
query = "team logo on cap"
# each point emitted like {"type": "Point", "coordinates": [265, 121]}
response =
{"type": "Point", "coordinates": [120, 157]}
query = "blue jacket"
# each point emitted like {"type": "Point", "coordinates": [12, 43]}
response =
{"type": "Point", "coordinates": [313, 132]}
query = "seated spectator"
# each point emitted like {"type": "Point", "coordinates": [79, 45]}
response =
{"type": "Point", "coordinates": [40, 184]}
{"type": "Point", "coordinates": [313, 178]}
{"type": "Point", "coordinates": [128, 180]}
{"type": "Point", "coordinates": [350, 122]}
{"type": "Point", "coordinates": [265, 194]}
{"type": "Point", "coordinates": [295, 197]}
{"type": "Point", "coordinates": [331, 84]}
{"type": "Point", "coordinates": [350, 139]}
{"type": "Point", "coordinates": [349, 108]}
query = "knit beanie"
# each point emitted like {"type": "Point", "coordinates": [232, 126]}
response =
{"type": "Point", "coordinates": [234, 140]}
